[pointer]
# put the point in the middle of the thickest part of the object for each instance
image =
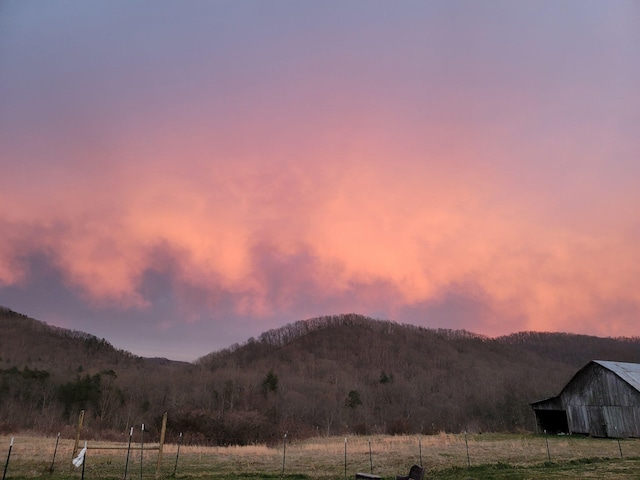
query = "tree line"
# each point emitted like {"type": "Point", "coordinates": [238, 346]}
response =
{"type": "Point", "coordinates": [341, 374]}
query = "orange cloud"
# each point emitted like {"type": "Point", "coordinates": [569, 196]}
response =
{"type": "Point", "coordinates": [320, 186]}
{"type": "Point", "coordinates": [414, 220]}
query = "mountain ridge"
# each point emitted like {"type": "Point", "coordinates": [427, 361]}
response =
{"type": "Point", "coordinates": [336, 374]}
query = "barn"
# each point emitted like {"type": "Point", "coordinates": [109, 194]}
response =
{"type": "Point", "coordinates": [601, 400]}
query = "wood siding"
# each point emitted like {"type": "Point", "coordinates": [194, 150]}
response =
{"type": "Point", "coordinates": [601, 404]}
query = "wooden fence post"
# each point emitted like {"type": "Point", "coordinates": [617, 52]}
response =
{"type": "Point", "coordinates": [78, 428]}
{"type": "Point", "coordinates": [163, 431]}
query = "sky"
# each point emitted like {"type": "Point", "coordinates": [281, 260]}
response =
{"type": "Point", "coordinates": [177, 177]}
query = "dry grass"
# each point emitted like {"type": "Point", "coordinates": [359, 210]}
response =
{"type": "Point", "coordinates": [321, 458]}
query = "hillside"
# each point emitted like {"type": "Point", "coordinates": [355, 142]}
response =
{"type": "Point", "coordinates": [28, 342]}
{"type": "Point", "coordinates": [48, 374]}
{"type": "Point", "coordinates": [574, 350]}
{"type": "Point", "coordinates": [348, 373]}
{"type": "Point", "coordinates": [329, 375]}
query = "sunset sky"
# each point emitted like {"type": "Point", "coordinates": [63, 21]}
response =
{"type": "Point", "coordinates": [179, 176]}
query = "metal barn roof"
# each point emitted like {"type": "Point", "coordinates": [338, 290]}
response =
{"type": "Point", "coordinates": [629, 372]}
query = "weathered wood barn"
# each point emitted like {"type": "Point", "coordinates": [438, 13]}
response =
{"type": "Point", "coordinates": [601, 400]}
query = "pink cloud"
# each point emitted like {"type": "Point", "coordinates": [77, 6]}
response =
{"type": "Point", "coordinates": [484, 185]}
{"type": "Point", "coordinates": [374, 211]}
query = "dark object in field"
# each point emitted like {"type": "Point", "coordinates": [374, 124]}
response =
{"type": "Point", "coordinates": [367, 476]}
{"type": "Point", "coordinates": [416, 473]}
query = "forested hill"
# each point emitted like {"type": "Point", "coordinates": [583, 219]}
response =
{"type": "Point", "coordinates": [567, 348]}
{"type": "Point", "coordinates": [575, 350]}
{"type": "Point", "coordinates": [48, 374]}
{"type": "Point", "coordinates": [342, 374]}
{"type": "Point", "coordinates": [25, 341]}
{"type": "Point", "coordinates": [28, 342]}
{"type": "Point", "coordinates": [351, 373]}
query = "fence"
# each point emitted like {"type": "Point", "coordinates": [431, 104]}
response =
{"type": "Point", "coordinates": [327, 457]}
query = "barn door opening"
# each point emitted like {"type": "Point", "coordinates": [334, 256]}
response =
{"type": "Point", "coordinates": [552, 421]}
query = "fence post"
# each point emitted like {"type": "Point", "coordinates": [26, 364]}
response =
{"type": "Point", "coordinates": [163, 431]}
{"type": "Point", "coordinates": [126, 463]}
{"type": "Point", "coordinates": [175, 467]}
{"type": "Point", "coordinates": [345, 458]}
{"type": "Point", "coordinates": [7, 462]}
{"type": "Point", "coordinates": [619, 447]}
{"type": "Point", "coordinates": [618, 439]}
{"type": "Point", "coordinates": [141, 448]}
{"type": "Point", "coordinates": [467, 446]}
{"type": "Point", "coordinates": [547, 442]}
{"type": "Point", "coordinates": [78, 428]}
{"type": "Point", "coordinates": [284, 451]}
{"type": "Point", "coordinates": [84, 460]}
{"type": "Point", "coordinates": [53, 460]}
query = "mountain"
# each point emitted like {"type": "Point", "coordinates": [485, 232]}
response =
{"type": "Point", "coordinates": [48, 374]}
{"type": "Point", "coordinates": [349, 373]}
{"type": "Point", "coordinates": [328, 375]}
{"type": "Point", "coordinates": [28, 342]}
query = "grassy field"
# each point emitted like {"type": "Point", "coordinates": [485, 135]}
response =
{"type": "Point", "coordinates": [490, 456]}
